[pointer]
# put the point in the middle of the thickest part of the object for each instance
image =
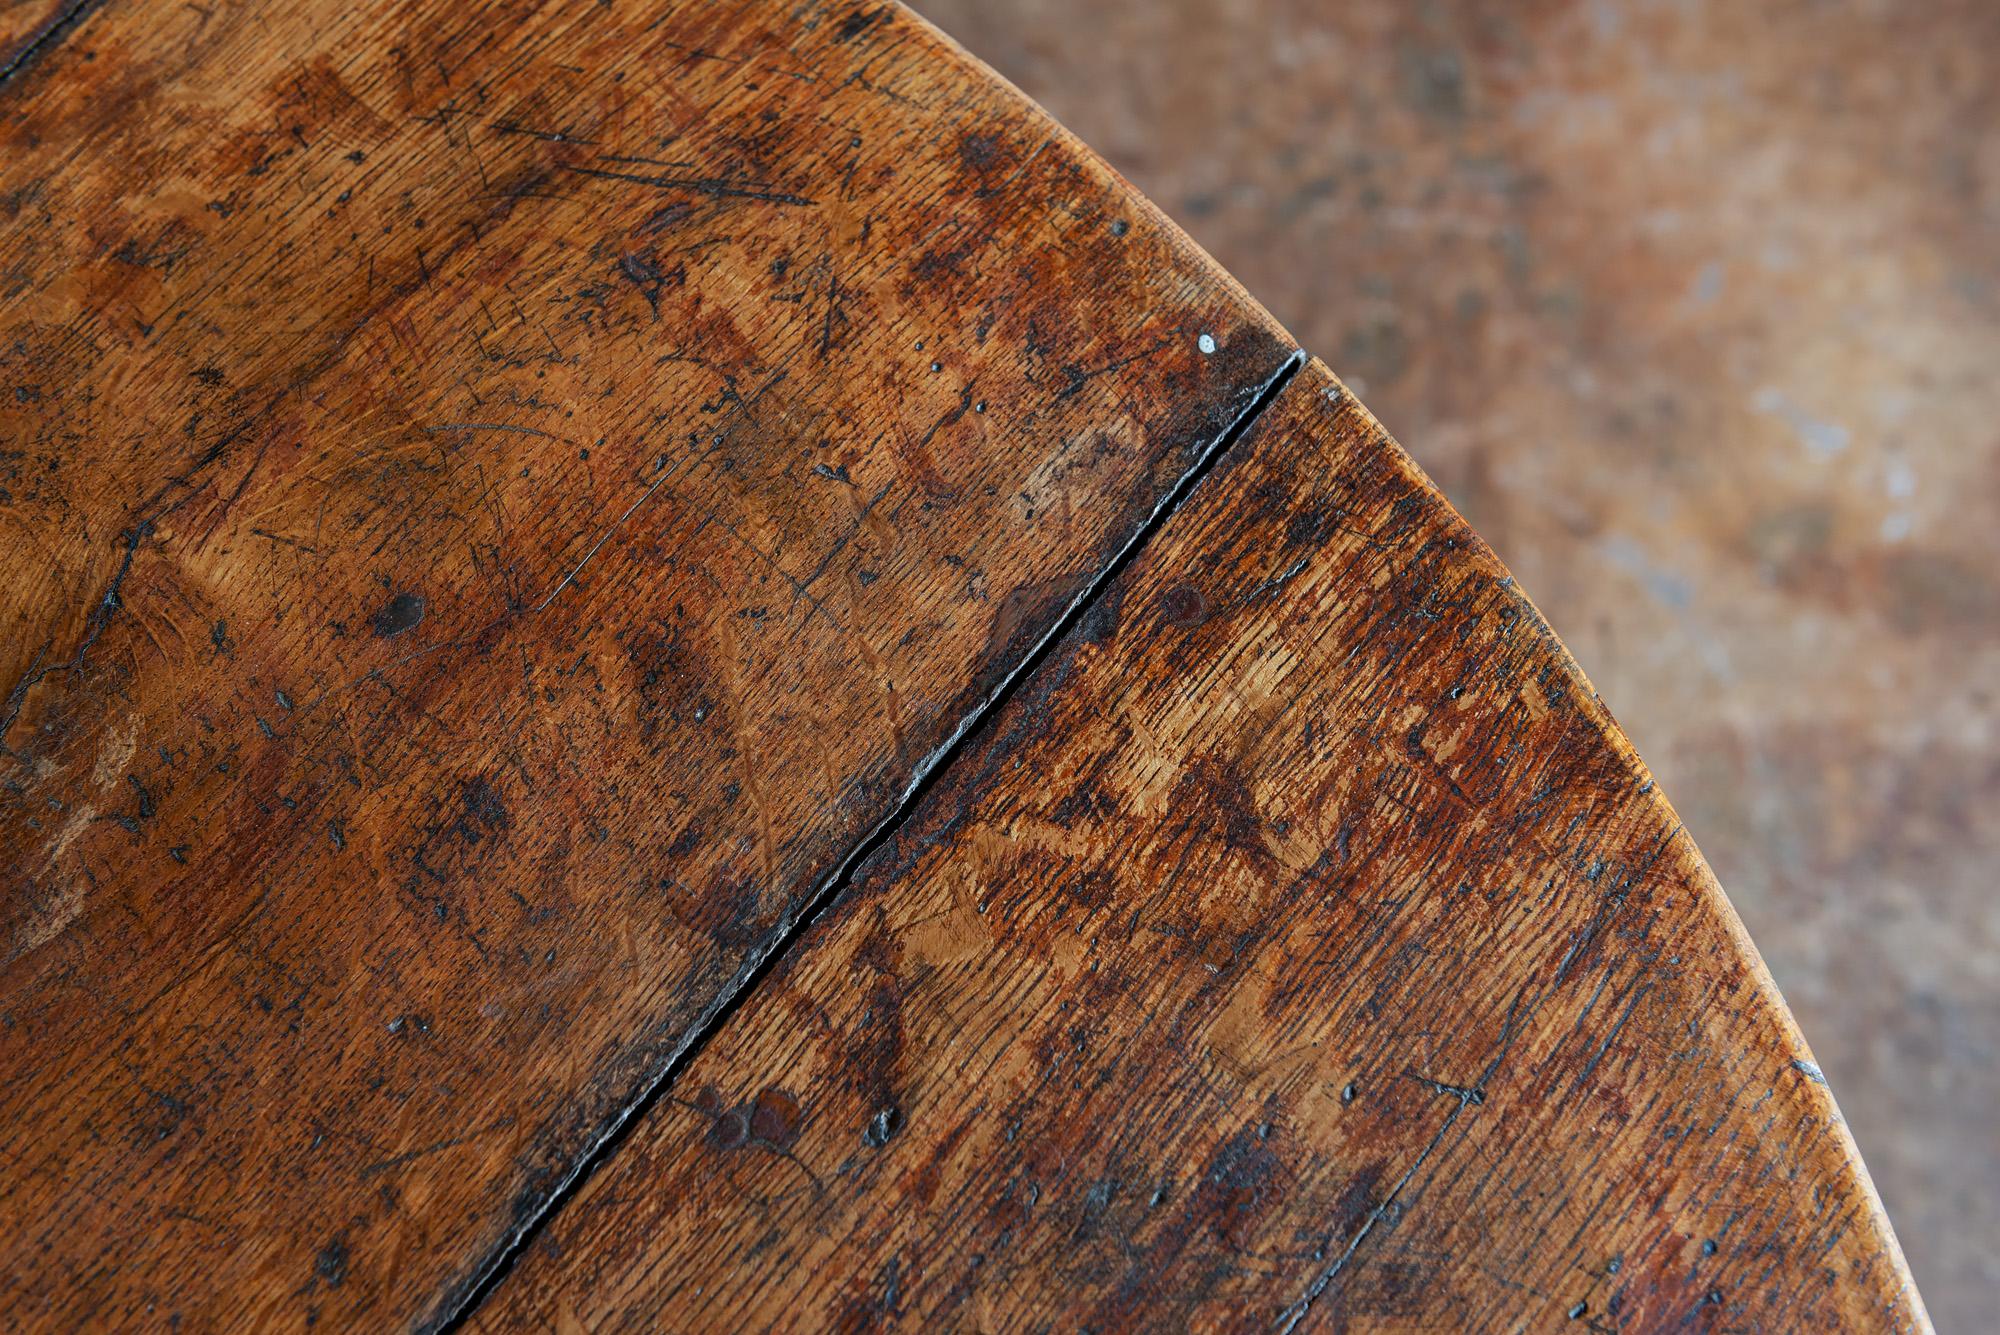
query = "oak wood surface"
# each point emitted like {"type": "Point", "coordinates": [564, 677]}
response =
{"type": "Point", "coordinates": [501, 502]}
{"type": "Point", "coordinates": [1302, 944]}
{"type": "Point", "coordinates": [496, 502]}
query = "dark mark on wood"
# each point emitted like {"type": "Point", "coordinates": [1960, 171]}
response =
{"type": "Point", "coordinates": [402, 612]}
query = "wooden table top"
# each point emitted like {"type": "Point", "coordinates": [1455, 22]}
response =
{"type": "Point", "coordinates": [674, 666]}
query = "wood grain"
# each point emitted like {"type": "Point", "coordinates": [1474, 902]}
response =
{"type": "Point", "coordinates": [497, 502]}
{"type": "Point", "coordinates": [1302, 945]}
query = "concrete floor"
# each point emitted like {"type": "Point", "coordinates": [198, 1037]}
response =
{"type": "Point", "coordinates": [1693, 307]}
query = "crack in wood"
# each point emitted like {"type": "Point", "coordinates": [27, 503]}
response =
{"type": "Point", "coordinates": [760, 963]}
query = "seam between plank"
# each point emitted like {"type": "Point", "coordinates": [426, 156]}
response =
{"type": "Point", "coordinates": [470, 1295]}
{"type": "Point", "coordinates": [52, 34]}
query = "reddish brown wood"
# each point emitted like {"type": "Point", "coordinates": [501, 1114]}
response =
{"type": "Point", "coordinates": [498, 501]}
{"type": "Point", "coordinates": [1303, 945]}
{"type": "Point", "coordinates": [500, 504]}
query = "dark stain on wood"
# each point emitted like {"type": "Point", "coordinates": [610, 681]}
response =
{"type": "Point", "coordinates": [29, 27]}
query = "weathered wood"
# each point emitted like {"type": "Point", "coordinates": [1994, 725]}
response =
{"type": "Point", "coordinates": [498, 502]}
{"type": "Point", "coordinates": [1304, 942]}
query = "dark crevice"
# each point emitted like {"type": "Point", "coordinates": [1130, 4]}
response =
{"type": "Point", "coordinates": [456, 1310]}
{"type": "Point", "coordinates": [1289, 1319]}
{"type": "Point", "coordinates": [51, 35]}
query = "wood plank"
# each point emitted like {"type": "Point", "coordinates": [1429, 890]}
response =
{"type": "Point", "coordinates": [1304, 943]}
{"type": "Point", "coordinates": [499, 501]}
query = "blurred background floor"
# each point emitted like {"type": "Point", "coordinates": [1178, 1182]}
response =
{"type": "Point", "coordinates": [1693, 307]}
